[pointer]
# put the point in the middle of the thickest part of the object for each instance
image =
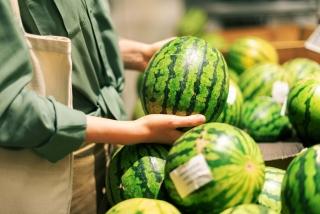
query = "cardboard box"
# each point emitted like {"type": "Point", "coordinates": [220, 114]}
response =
{"type": "Point", "coordinates": [280, 154]}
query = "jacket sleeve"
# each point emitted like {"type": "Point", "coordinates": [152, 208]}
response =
{"type": "Point", "coordinates": [27, 120]}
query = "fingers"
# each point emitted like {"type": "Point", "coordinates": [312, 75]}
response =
{"type": "Point", "coordinates": [172, 136]}
{"type": "Point", "coordinates": [188, 121]}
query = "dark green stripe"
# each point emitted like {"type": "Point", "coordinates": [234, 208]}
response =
{"type": "Point", "coordinates": [196, 84]}
{"type": "Point", "coordinates": [166, 92]}
{"type": "Point", "coordinates": [213, 82]}
{"type": "Point", "coordinates": [147, 72]}
{"type": "Point", "coordinates": [183, 82]}
{"type": "Point", "coordinates": [222, 93]}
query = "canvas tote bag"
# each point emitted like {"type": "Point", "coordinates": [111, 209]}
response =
{"type": "Point", "coordinates": [30, 184]}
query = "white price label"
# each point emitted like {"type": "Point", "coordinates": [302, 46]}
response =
{"type": "Point", "coordinates": [313, 42]}
{"type": "Point", "coordinates": [191, 176]}
{"type": "Point", "coordinates": [280, 91]}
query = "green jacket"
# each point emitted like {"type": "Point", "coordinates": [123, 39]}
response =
{"type": "Point", "coordinates": [97, 67]}
{"type": "Point", "coordinates": [42, 124]}
{"type": "Point", "coordinates": [27, 120]}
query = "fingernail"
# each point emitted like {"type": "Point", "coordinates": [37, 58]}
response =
{"type": "Point", "coordinates": [200, 116]}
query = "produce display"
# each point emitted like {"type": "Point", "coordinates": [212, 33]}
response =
{"type": "Point", "coordinates": [247, 52]}
{"type": "Point", "coordinates": [264, 120]}
{"type": "Point", "coordinates": [304, 110]}
{"type": "Point", "coordinates": [143, 206]}
{"type": "Point", "coordinates": [136, 171]}
{"type": "Point", "coordinates": [186, 77]}
{"type": "Point", "coordinates": [302, 68]}
{"type": "Point", "coordinates": [231, 113]}
{"type": "Point", "coordinates": [233, 160]}
{"type": "Point", "coordinates": [218, 167]}
{"type": "Point", "coordinates": [270, 195]}
{"type": "Point", "coordinates": [301, 183]}
{"type": "Point", "coordinates": [264, 80]}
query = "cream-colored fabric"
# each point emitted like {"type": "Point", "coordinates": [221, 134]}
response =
{"type": "Point", "coordinates": [28, 183]}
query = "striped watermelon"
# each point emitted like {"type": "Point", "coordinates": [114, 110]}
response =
{"type": "Point", "coordinates": [136, 171]}
{"type": "Point", "coordinates": [185, 77]}
{"type": "Point", "coordinates": [247, 52]}
{"type": "Point", "coordinates": [234, 161]}
{"type": "Point", "coordinates": [304, 110]}
{"type": "Point", "coordinates": [303, 68]}
{"type": "Point", "coordinates": [301, 184]}
{"type": "Point", "coordinates": [231, 113]}
{"type": "Point", "coordinates": [138, 110]}
{"type": "Point", "coordinates": [271, 191]}
{"type": "Point", "coordinates": [262, 118]}
{"type": "Point", "coordinates": [249, 209]}
{"type": "Point", "coordinates": [143, 206]}
{"type": "Point", "coordinates": [263, 80]}
{"type": "Point", "coordinates": [233, 75]}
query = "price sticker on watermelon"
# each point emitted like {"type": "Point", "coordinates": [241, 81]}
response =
{"type": "Point", "coordinates": [190, 176]}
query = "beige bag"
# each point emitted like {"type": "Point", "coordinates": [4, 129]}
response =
{"type": "Point", "coordinates": [28, 183]}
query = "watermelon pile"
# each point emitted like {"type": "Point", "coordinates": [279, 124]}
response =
{"type": "Point", "coordinates": [264, 119]}
{"type": "Point", "coordinates": [302, 68]}
{"type": "Point", "coordinates": [304, 110]}
{"type": "Point", "coordinates": [218, 167]}
{"type": "Point", "coordinates": [233, 160]}
{"type": "Point", "coordinates": [264, 80]}
{"type": "Point", "coordinates": [231, 113]}
{"type": "Point", "coordinates": [270, 195]}
{"type": "Point", "coordinates": [301, 183]}
{"type": "Point", "coordinates": [136, 171]}
{"type": "Point", "coordinates": [247, 52]}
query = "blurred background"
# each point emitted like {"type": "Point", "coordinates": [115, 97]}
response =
{"type": "Point", "coordinates": [285, 23]}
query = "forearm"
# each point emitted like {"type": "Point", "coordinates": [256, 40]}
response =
{"type": "Point", "coordinates": [102, 130]}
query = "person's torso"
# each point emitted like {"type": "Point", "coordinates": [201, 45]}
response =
{"type": "Point", "coordinates": [97, 68]}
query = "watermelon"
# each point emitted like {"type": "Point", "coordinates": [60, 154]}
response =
{"type": "Point", "coordinates": [136, 171]}
{"type": "Point", "coordinates": [301, 184]}
{"type": "Point", "coordinates": [233, 75]}
{"type": "Point", "coordinates": [263, 119]}
{"type": "Point", "coordinates": [247, 52]}
{"type": "Point", "coordinates": [139, 83]}
{"type": "Point", "coordinates": [186, 77]}
{"type": "Point", "coordinates": [304, 112]}
{"type": "Point", "coordinates": [271, 191]}
{"type": "Point", "coordinates": [303, 68]}
{"type": "Point", "coordinates": [249, 209]}
{"type": "Point", "coordinates": [230, 156]}
{"type": "Point", "coordinates": [138, 110]}
{"type": "Point", "coordinates": [193, 22]}
{"type": "Point", "coordinates": [231, 113]}
{"type": "Point", "coordinates": [143, 206]}
{"type": "Point", "coordinates": [265, 80]}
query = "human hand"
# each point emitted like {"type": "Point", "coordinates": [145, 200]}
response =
{"type": "Point", "coordinates": [136, 55]}
{"type": "Point", "coordinates": [162, 128]}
